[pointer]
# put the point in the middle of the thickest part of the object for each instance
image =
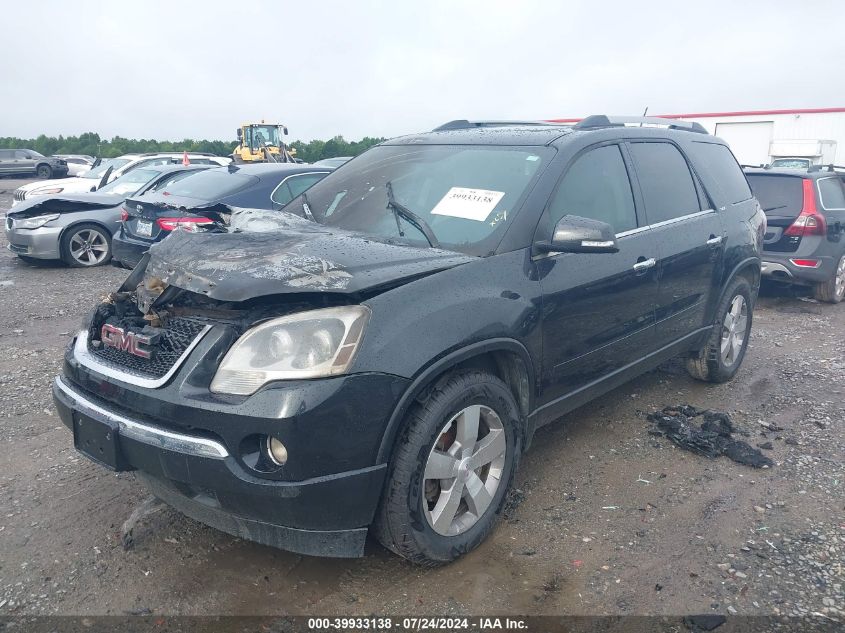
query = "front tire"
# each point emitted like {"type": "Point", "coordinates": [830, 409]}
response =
{"type": "Point", "coordinates": [44, 171]}
{"type": "Point", "coordinates": [721, 356]}
{"type": "Point", "coordinates": [832, 290]}
{"type": "Point", "coordinates": [85, 246]}
{"type": "Point", "coordinates": [451, 469]}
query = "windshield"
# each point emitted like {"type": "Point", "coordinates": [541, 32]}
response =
{"type": "Point", "coordinates": [264, 135]}
{"type": "Point", "coordinates": [466, 195]}
{"type": "Point", "coordinates": [792, 163]}
{"type": "Point", "coordinates": [131, 182]}
{"type": "Point", "coordinates": [99, 170]}
{"type": "Point", "coordinates": [209, 185]}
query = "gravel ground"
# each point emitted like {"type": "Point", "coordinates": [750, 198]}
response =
{"type": "Point", "coordinates": [606, 518]}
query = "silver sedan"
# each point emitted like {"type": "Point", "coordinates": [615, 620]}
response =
{"type": "Point", "coordinates": [78, 228]}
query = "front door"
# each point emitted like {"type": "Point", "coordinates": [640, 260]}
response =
{"type": "Point", "coordinates": [689, 236]}
{"type": "Point", "coordinates": [598, 308]}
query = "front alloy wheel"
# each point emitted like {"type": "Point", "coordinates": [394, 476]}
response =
{"type": "Point", "coordinates": [451, 467]}
{"type": "Point", "coordinates": [86, 246]}
{"type": "Point", "coordinates": [464, 470]}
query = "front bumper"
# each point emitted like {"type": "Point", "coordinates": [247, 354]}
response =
{"type": "Point", "coordinates": [189, 445]}
{"type": "Point", "coordinates": [42, 243]}
{"type": "Point", "coordinates": [199, 477]}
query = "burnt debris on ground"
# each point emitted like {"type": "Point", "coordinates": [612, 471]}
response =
{"type": "Point", "coordinates": [712, 436]}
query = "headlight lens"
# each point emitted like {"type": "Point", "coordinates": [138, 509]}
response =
{"type": "Point", "coordinates": [309, 344]}
{"type": "Point", "coordinates": [44, 192]}
{"type": "Point", "coordinates": [35, 222]}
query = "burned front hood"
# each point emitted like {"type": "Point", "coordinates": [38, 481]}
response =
{"type": "Point", "coordinates": [69, 203]}
{"type": "Point", "coordinates": [290, 255]}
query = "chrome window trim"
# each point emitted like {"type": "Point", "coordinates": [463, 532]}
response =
{"type": "Point", "coordinates": [86, 358]}
{"type": "Point", "coordinates": [657, 225]}
{"type": "Point", "coordinates": [145, 433]}
{"type": "Point", "coordinates": [286, 178]}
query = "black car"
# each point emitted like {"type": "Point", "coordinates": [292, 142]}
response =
{"type": "Point", "coordinates": [805, 238]}
{"type": "Point", "coordinates": [24, 162]}
{"type": "Point", "coordinates": [264, 186]}
{"type": "Point", "coordinates": [377, 355]}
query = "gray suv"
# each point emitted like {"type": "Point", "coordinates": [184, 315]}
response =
{"type": "Point", "coordinates": [805, 238]}
{"type": "Point", "coordinates": [29, 162]}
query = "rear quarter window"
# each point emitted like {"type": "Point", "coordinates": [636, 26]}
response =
{"type": "Point", "coordinates": [779, 195]}
{"type": "Point", "coordinates": [719, 166]}
{"type": "Point", "coordinates": [831, 194]}
{"type": "Point", "coordinates": [210, 185]}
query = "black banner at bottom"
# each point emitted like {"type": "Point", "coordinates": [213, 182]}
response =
{"type": "Point", "coordinates": [404, 624]}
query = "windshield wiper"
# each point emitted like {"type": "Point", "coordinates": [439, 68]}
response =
{"type": "Point", "coordinates": [410, 217]}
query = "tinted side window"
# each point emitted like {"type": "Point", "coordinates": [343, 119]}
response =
{"type": "Point", "coordinates": [293, 186]}
{"type": "Point", "coordinates": [666, 182]}
{"type": "Point", "coordinates": [780, 195]}
{"type": "Point", "coordinates": [596, 186]}
{"type": "Point", "coordinates": [6, 154]}
{"type": "Point", "coordinates": [21, 154]}
{"type": "Point", "coordinates": [720, 163]}
{"type": "Point", "coordinates": [831, 194]}
{"type": "Point", "coordinates": [282, 194]}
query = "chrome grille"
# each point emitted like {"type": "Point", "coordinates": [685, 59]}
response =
{"type": "Point", "coordinates": [173, 342]}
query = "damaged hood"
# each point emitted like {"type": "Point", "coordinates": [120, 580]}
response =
{"type": "Point", "coordinates": [66, 203]}
{"type": "Point", "coordinates": [265, 253]}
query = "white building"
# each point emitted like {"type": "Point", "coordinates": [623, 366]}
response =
{"type": "Point", "coordinates": [760, 136]}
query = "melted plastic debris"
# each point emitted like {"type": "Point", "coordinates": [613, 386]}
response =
{"type": "Point", "coordinates": [711, 438]}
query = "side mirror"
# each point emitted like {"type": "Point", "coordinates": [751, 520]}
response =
{"type": "Point", "coordinates": [574, 234]}
{"type": "Point", "coordinates": [240, 134]}
{"type": "Point", "coordinates": [285, 130]}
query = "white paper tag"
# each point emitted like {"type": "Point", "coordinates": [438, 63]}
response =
{"type": "Point", "coordinates": [469, 204]}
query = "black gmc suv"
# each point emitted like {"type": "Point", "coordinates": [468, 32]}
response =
{"type": "Point", "coordinates": [376, 356]}
{"type": "Point", "coordinates": [805, 238]}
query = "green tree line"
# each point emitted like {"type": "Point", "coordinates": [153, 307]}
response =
{"type": "Point", "coordinates": [91, 144]}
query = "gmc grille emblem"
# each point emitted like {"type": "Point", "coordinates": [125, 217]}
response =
{"type": "Point", "coordinates": [125, 341]}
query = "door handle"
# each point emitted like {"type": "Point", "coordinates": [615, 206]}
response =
{"type": "Point", "coordinates": [714, 240]}
{"type": "Point", "coordinates": [644, 265]}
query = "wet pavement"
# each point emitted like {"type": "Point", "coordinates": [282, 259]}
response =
{"type": "Point", "coordinates": [607, 518]}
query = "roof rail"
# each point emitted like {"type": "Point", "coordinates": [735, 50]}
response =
{"type": "Point", "coordinates": [830, 167]}
{"type": "Point", "coordinates": [597, 121]}
{"type": "Point", "coordinates": [760, 166]}
{"type": "Point", "coordinates": [464, 124]}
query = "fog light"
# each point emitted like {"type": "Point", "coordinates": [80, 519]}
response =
{"type": "Point", "coordinates": [277, 451]}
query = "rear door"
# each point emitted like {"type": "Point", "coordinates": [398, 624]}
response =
{"type": "Point", "coordinates": [24, 162]}
{"type": "Point", "coordinates": [598, 308]}
{"type": "Point", "coordinates": [688, 233]}
{"type": "Point", "coordinates": [7, 157]}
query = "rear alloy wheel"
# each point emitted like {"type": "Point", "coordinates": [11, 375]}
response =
{"type": "Point", "coordinates": [85, 246]}
{"type": "Point", "coordinates": [451, 469]}
{"type": "Point", "coordinates": [45, 171]}
{"type": "Point", "coordinates": [832, 290]}
{"type": "Point", "coordinates": [722, 354]}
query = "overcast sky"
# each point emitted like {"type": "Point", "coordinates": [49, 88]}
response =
{"type": "Point", "coordinates": [190, 69]}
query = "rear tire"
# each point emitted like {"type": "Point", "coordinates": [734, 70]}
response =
{"type": "Point", "coordinates": [86, 246]}
{"type": "Point", "coordinates": [44, 171]}
{"type": "Point", "coordinates": [414, 517]}
{"type": "Point", "coordinates": [721, 356]}
{"type": "Point", "coordinates": [832, 290]}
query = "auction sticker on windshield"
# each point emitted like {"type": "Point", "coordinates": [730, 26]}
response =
{"type": "Point", "coordinates": [469, 204]}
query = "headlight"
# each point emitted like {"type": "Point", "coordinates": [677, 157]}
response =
{"type": "Point", "coordinates": [45, 192]}
{"type": "Point", "coordinates": [309, 344]}
{"type": "Point", "coordinates": [35, 222]}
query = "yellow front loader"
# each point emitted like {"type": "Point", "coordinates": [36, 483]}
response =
{"type": "Point", "coordinates": [262, 143]}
